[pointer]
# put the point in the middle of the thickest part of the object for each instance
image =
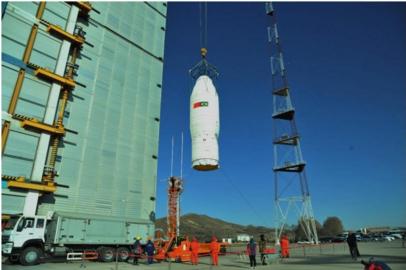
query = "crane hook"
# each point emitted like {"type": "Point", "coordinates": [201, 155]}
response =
{"type": "Point", "coordinates": [203, 52]}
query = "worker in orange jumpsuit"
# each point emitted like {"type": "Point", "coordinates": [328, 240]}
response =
{"type": "Point", "coordinates": [284, 247]}
{"type": "Point", "coordinates": [194, 248]}
{"type": "Point", "coordinates": [214, 251]}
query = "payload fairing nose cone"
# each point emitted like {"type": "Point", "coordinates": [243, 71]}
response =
{"type": "Point", "coordinates": [204, 125]}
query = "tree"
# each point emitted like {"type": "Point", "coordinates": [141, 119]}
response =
{"type": "Point", "coordinates": [300, 234]}
{"type": "Point", "coordinates": [333, 226]}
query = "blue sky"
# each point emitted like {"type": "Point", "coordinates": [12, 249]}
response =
{"type": "Point", "coordinates": [346, 69]}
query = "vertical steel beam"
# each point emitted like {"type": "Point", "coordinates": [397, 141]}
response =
{"type": "Point", "coordinates": [4, 134]}
{"type": "Point", "coordinates": [26, 59]}
{"type": "Point", "coordinates": [54, 152]}
{"type": "Point", "coordinates": [31, 201]}
{"type": "Point", "coordinates": [3, 8]}
{"type": "Point", "coordinates": [16, 92]}
{"type": "Point", "coordinates": [21, 74]}
{"type": "Point", "coordinates": [63, 102]}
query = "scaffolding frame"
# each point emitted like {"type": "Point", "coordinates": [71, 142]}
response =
{"type": "Point", "coordinates": [288, 158]}
{"type": "Point", "coordinates": [62, 81]}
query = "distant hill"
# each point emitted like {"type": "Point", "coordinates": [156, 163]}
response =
{"type": "Point", "coordinates": [203, 227]}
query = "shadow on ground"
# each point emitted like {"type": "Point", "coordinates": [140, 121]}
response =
{"type": "Point", "coordinates": [341, 259]}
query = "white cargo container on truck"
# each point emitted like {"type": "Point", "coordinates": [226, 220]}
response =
{"type": "Point", "coordinates": [27, 239]}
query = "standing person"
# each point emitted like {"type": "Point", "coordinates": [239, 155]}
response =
{"type": "Point", "coordinates": [137, 250]}
{"type": "Point", "coordinates": [352, 245]}
{"type": "Point", "coordinates": [284, 246]}
{"type": "Point", "coordinates": [214, 251]}
{"type": "Point", "coordinates": [252, 252]}
{"type": "Point", "coordinates": [194, 248]}
{"type": "Point", "coordinates": [150, 249]}
{"type": "Point", "coordinates": [262, 248]}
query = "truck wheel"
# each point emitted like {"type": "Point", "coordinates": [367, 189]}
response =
{"type": "Point", "coordinates": [99, 251]}
{"type": "Point", "coordinates": [30, 256]}
{"type": "Point", "coordinates": [123, 254]}
{"type": "Point", "coordinates": [107, 254]}
{"type": "Point", "coordinates": [13, 259]}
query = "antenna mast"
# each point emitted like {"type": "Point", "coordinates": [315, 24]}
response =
{"type": "Point", "coordinates": [291, 187]}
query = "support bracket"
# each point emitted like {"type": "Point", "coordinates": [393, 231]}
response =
{"type": "Point", "coordinates": [84, 6]}
{"type": "Point", "coordinates": [57, 31]}
{"type": "Point", "coordinates": [49, 75]}
{"type": "Point", "coordinates": [20, 182]}
{"type": "Point", "coordinates": [32, 123]}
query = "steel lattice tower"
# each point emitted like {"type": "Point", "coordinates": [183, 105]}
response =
{"type": "Point", "coordinates": [291, 187]}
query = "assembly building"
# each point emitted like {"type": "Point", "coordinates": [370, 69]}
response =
{"type": "Point", "coordinates": [81, 98]}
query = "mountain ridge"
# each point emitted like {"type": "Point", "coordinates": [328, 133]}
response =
{"type": "Point", "coordinates": [203, 227]}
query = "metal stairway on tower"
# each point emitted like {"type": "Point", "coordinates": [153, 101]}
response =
{"type": "Point", "coordinates": [291, 187]}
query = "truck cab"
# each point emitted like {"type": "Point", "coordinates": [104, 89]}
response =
{"type": "Point", "coordinates": [23, 239]}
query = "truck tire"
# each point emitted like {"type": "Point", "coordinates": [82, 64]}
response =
{"type": "Point", "coordinates": [30, 256]}
{"type": "Point", "coordinates": [107, 254]}
{"type": "Point", "coordinates": [99, 251]}
{"type": "Point", "coordinates": [123, 254]}
{"type": "Point", "coordinates": [13, 259]}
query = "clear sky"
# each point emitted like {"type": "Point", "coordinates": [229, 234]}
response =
{"type": "Point", "coordinates": [347, 73]}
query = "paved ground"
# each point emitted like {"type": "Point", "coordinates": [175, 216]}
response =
{"type": "Point", "coordinates": [313, 258]}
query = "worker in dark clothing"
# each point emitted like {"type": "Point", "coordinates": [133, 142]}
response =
{"type": "Point", "coordinates": [262, 247]}
{"type": "Point", "coordinates": [352, 245]}
{"type": "Point", "coordinates": [252, 252]}
{"type": "Point", "coordinates": [150, 249]}
{"type": "Point", "coordinates": [137, 250]}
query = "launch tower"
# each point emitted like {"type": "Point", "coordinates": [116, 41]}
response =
{"type": "Point", "coordinates": [174, 190]}
{"type": "Point", "coordinates": [291, 187]}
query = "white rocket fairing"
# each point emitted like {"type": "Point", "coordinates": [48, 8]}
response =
{"type": "Point", "coordinates": [204, 125]}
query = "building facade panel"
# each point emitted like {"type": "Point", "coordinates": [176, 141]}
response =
{"type": "Point", "coordinates": [108, 156]}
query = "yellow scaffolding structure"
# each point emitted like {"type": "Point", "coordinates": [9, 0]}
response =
{"type": "Point", "coordinates": [21, 183]}
{"type": "Point", "coordinates": [67, 83]}
{"type": "Point", "coordinates": [56, 30]}
{"type": "Point", "coordinates": [32, 123]}
{"type": "Point", "coordinates": [53, 77]}
{"type": "Point", "coordinates": [84, 6]}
